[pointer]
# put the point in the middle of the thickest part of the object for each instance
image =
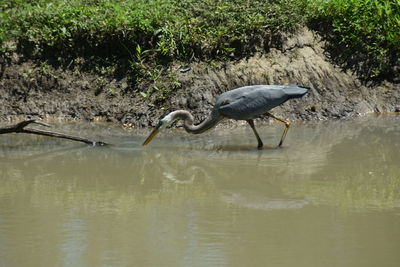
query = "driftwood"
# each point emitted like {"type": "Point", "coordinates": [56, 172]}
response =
{"type": "Point", "coordinates": [20, 128]}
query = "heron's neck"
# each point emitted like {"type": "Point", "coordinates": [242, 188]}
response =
{"type": "Point", "coordinates": [188, 119]}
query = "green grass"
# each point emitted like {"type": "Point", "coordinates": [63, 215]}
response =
{"type": "Point", "coordinates": [133, 37]}
{"type": "Point", "coordinates": [364, 34]}
{"type": "Point", "coordinates": [169, 28]}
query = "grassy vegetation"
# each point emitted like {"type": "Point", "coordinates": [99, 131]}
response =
{"type": "Point", "coordinates": [364, 34]}
{"type": "Point", "coordinates": [165, 29]}
{"type": "Point", "coordinates": [140, 37]}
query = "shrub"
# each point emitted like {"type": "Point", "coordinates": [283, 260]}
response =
{"type": "Point", "coordinates": [92, 34]}
{"type": "Point", "coordinates": [364, 34]}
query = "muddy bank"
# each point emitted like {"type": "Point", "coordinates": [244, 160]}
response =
{"type": "Point", "coordinates": [27, 90]}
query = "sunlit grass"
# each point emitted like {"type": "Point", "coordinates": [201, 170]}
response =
{"type": "Point", "coordinates": [365, 34]}
{"type": "Point", "coordinates": [136, 36]}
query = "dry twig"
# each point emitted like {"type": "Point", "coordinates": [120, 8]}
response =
{"type": "Point", "coordinates": [20, 128]}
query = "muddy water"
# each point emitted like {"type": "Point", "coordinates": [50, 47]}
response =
{"type": "Point", "coordinates": [329, 197]}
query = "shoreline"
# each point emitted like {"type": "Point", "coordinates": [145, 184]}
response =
{"type": "Point", "coordinates": [28, 91]}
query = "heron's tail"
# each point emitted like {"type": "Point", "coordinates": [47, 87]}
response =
{"type": "Point", "coordinates": [294, 91]}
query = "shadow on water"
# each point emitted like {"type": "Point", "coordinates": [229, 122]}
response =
{"type": "Point", "coordinates": [341, 163]}
{"type": "Point", "coordinates": [325, 162]}
{"type": "Point", "coordinates": [204, 200]}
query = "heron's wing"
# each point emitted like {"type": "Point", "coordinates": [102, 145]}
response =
{"type": "Point", "coordinates": [248, 103]}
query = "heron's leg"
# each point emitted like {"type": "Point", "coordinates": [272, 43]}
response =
{"type": "Point", "coordinates": [260, 143]}
{"type": "Point", "coordinates": [287, 124]}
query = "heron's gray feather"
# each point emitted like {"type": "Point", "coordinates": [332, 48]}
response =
{"type": "Point", "coordinates": [250, 102]}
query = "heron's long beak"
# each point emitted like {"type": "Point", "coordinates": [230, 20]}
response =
{"type": "Point", "coordinates": [152, 135]}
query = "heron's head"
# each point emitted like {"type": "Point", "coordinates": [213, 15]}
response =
{"type": "Point", "coordinates": [165, 120]}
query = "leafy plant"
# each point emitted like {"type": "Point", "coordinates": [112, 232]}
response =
{"type": "Point", "coordinates": [364, 34]}
{"type": "Point", "coordinates": [133, 37]}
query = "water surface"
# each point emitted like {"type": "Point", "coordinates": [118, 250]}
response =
{"type": "Point", "coordinates": [329, 197]}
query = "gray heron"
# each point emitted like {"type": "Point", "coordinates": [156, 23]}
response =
{"type": "Point", "coordinates": [244, 103]}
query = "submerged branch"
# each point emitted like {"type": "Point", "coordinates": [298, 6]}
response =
{"type": "Point", "coordinates": [20, 128]}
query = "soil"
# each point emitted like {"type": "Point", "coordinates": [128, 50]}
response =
{"type": "Point", "coordinates": [29, 91]}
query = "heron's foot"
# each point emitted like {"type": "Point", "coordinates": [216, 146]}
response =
{"type": "Point", "coordinates": [287, 124]}
{"type": "Point", "coordinates": [260, 145]}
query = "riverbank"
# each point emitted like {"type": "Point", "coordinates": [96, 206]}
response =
{"type": "Point", "coordinates": [130, 61]}
{"type": "Point", "coordinates": [32, 91]}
